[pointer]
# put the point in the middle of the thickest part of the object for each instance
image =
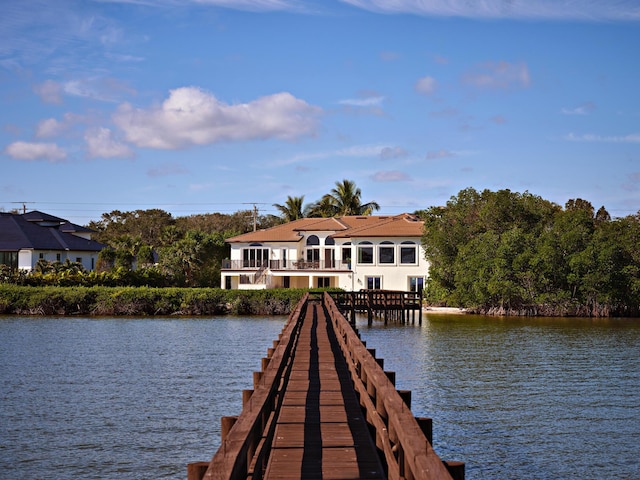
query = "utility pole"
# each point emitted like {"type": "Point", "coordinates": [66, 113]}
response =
{"type": "Point", "coordinates": [255, 218]}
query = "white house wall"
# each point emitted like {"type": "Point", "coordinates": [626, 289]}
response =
{"type": "Point", "coordinates": [393, 276]}
{"type": "Point", "coordinates": [27, 259]}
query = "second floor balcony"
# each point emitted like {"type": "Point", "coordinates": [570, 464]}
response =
{"type": "Point", "coordinates": [274, 265]}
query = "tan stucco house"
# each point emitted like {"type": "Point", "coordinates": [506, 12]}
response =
{"type": "Point", "coordinates": [350, 252]}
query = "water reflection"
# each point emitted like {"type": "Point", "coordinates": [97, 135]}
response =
{"type": "Point", "coordinates": [514, 398]}
{"type": "Point", "coordinates": [522, 397]}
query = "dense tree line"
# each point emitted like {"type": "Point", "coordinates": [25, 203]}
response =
{"type": "Point", "coordinates": [507, 252]}
{"type": "Point", "coordinates": [152, 248]}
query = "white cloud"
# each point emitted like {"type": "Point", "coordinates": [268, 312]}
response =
{"type": "Point", "coordinates": [595, 10]}
{"type": "Point", "coordinates": [591, 137]}
{"type": "Point", "coordinates": [101, 144]}
{"type": "Point", "coordinates": [191, 116]}
{"type": "Point", "coordinates": [426, 85]}
{"type": "Point", "coordinates": [50, 127]}
{"type": "Point", "coordinates": [36, 151]}
{"type": "Point", "coordinates": [499, 75]}
{"type": "Point", "coordinates": [583, 109]}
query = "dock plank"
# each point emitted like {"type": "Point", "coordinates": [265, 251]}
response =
{"type": "Point", "coordinates": [321, 432]}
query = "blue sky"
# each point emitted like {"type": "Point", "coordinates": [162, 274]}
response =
{"type": "Point", "coordinates": [198, 106]}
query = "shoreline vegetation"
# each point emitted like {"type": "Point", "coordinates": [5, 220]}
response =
{"type": "Point", "coordinates": [144, 301]}
{"type": "Point", "coordinates": [175, 301]}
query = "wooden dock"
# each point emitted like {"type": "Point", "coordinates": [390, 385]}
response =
{"type": "Point", "coordinates": [323, 408]}
{"type": "Point", "coordinates": [389, 305]}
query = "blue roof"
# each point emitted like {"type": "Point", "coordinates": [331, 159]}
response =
{"type": "Point", "coordinates": [19, 232]}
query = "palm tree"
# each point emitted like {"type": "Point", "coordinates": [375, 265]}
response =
{"type": "Point", "coordinates": [346, 199]}
{"type": "Point", "coordinates": [322, 208]}
{"type": "Point", "coordinates": [292, 208]}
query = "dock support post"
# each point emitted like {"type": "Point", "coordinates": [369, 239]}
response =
{"type": "Point", "coordinates": [196, 470]}
{"type": "Point", "coordinates": [226, 425]}
{"type": "Point", "coordinates": [455, 469]}
{"type": "Point", "coordinates": [426, 425]}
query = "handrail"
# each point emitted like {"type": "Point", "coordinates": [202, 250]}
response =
{"type": "Point", "coordinates": [407, 451]}
{"type": "Point", "coordinates": [245, 441]}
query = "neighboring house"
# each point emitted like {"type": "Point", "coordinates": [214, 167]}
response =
{"type": "Point", "coordinates": [351, 252]}
{"type": "Point", "coordinates": [29, 237]}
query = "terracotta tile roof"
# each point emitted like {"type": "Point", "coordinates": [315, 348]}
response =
{"type": "Point", "coordinates": [403, 225]}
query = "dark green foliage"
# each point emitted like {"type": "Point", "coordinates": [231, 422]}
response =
{"type": "Point", "coordinates": [49, 300]}
{"type": "Point", "coordinates": [507, 252]}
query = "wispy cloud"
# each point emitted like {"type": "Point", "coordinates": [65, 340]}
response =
{"type": "Point", "coordinates": [426, 85]}
{"type": "Point", "coordinates": [389, 153]}
{"type": "Point", "coordinates": [438, 154]}
{"type": "Point", "coordinates": [389, 56]}
{"type": "Point", "coordinates": [582, 109]}
{"type": "Point", "coordinates": [594, 10]}
{"type": "Point", "coordinates": [356, 151]}
{"type": "Point", "coordinates": [49, 91]}
{"type": "Point", "coordinates": [390, 176]}
{"type": "Point", "coordinates": [166, 170]}
{"type": "Point", "coordinates": [591, 137]}
{"type": "Point", "coordinates": [498, 75]}
{"type": "Point", "coordinates": [373, 101]}
{"type": "Point", "coordinates": [190, 116]}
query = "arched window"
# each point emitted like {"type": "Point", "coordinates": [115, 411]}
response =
{"type": "Point", "coordinates": [313, 249]}
{"type": "Point", "coordinates": [329, 241]}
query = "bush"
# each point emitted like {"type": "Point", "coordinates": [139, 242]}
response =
{"type": "Point", "coordinates": [101, 300]}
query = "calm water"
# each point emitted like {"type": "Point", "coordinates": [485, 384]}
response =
{"type": "Point", "coordinates": [140, 398]}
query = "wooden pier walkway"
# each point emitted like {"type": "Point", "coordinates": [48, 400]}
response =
{"type": "Point", "coordinates": [323, 408]}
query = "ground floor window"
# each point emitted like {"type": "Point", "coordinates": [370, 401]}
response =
{"type": "Point", "coordinates": [10, 259]}
{"type": "Point", "coordinates": [416, 284]}
{"type": "Point", "coordinates": [374, 283]}
{"type": "Point", "coordinates": [323, 282]}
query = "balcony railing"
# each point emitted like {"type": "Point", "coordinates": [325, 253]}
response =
{"type": "Point", "coordinates": [291, 265]}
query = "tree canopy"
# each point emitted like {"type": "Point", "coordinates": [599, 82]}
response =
{"type": "Point", "coordinates": [517, 252]}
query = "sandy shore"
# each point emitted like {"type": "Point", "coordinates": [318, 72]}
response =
{"type": "Point", "coordinates": [447, 310]}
